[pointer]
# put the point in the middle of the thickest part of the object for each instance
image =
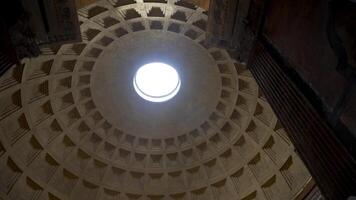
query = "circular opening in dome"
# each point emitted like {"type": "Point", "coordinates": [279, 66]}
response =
{"type": "Point", "coordinates": [156, 82]}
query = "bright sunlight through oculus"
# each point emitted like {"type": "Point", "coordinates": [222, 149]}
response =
{"type": "Point", "coordinates": [156, 82]}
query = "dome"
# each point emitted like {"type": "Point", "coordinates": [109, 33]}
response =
{"type": "Point", "coordinates": [73, 126]}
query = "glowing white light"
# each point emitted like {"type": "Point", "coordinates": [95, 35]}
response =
{"type": "Point", "coordinates": [156, 82]}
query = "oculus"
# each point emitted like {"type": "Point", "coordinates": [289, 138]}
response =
{"type": "Point", "coordinates": [157, 82]}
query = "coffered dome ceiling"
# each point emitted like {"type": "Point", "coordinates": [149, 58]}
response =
{"type": "Point", "coordinates": [72, 126]}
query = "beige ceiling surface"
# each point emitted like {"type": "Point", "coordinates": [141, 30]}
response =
{"type": "Point", "coordinates": [73, 128]}
{"type": "Point", "coordinates": [201, 3]}
{"type": "Point", "coordinates": [114, 95]}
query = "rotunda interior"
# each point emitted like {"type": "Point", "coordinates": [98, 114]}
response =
{"type": "Point", "coordinates": [73, 127]}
